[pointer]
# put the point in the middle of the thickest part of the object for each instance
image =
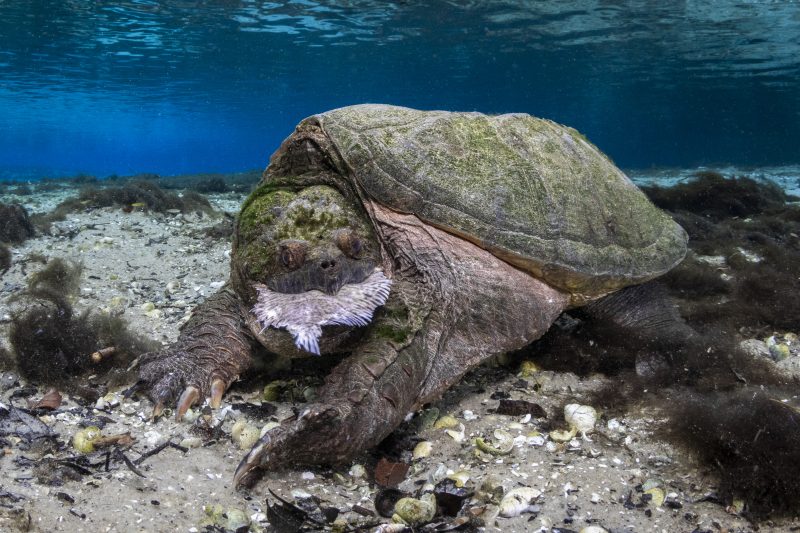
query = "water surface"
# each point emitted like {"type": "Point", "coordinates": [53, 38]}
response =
{"type": "Point", "coordinates": [174, 87]}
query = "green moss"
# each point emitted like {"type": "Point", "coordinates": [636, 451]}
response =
{"type": "Point", "coordinates": [392, 332]}
{"type": "Point", "coordinates": [532, 189]}
{"type": "Point", "coordinates": [272, 214]}
{"type": "Point", "coordinates": [394, 323]}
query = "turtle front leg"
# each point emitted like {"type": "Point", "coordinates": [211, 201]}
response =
{"type": "Point", "coordinates": [475, 306]}
{"type": "Point", "coordinates": [364, 398]}
{"type": "Point", "coordinates": [213, 349]}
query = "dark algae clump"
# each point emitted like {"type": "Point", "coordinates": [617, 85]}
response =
{"type": "Point", "coordinates": [143, 194]}
{"type": "Point", "coordinates": [52, 344]}
{"type": "Point", "coordinates": [15, 224]}
{"type": "Point", "coordinates": [744, 269]}
{"type": "Point", "coordinates": [740, 280]}
{"type": "Point", "coordinates": [718, 197]}
{"type": "Point", "coordinates": [5, 258]}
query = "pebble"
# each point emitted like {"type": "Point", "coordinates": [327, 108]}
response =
{"type": "Point", "coordinates": [153, 438]}
{"type": "Point", "coordinates": [191, 442]}
{"type": "Point", "coordinates": [358, 471]}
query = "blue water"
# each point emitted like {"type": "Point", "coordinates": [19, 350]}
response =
{"type": "Point", "coordinates": [214, 86]}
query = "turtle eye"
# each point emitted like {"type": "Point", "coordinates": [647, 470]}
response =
{"type": "Point", "coordinates": [350, 244]}
{"type": "Point", "coordinates": [292, 254]}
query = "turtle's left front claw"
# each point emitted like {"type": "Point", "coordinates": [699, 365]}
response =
{"type": "Point", "coordinates": [189, 397]}
{"type": "Point", "coordinates": [311, 438]}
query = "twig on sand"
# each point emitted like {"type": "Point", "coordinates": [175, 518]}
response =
{"type": "Point", "coordinates": [161, 447]}
{"type": "Point", "coordinates": [118, 454]}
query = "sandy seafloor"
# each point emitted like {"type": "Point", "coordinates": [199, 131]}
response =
{"type": "Point", "coordinates": [131, 259]}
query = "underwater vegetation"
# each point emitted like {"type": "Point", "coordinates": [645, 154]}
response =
{"type": "Point", "coordinates": [52, 344]}
{"type": "Point", "coordinates": [741, 279]}
{"type": "Point", "coordinates": [222, 229]}
{"type": "Point", "coordinates": [744, 269]}
{"type": "Point", "coordinates": [717, 197]}
{"type": "Point", "coordinates": [143, 195]}
{"type": "Point", "coordinates": [15, 224]}
{"type": "Point", "coordinates": [5, 258]}
{"type": "Point", "coordinates": [238, 182]}
{"type": "Point", "coordinates": [215, 184]}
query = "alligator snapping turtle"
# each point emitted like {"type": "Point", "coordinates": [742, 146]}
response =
{"type": "Point", "coordinates": [451, 236]}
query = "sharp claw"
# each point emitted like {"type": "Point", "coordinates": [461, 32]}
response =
{"type": "Point", "coordinates": [188, 398]}
{"type": "Point", "coordinates": [251, 461]}
{"type": "Point", "coordinates": [218, 387]}
{"type": "Point", "coordinates": [158, 409]}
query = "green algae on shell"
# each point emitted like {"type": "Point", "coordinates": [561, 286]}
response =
{"type": "Point", "coordinates": [415, 511]}
{"type": "Point", "coordinates": [523, 188]}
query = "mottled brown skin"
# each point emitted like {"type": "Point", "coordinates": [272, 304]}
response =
{"type": "Point", "coordinates": [452, 305]}
{"type": "Point", "coordinates": [455, 299]}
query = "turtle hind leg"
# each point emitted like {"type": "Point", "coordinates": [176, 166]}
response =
{"type": "Point", "coordinates": [641, 323]}
{"type": "Point", "coordinates": [644, 314]}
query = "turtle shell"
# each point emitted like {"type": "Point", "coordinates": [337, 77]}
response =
{"type": "Point", "coordinates": [535, 193]}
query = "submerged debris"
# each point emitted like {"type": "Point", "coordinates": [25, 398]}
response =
{"type": "Point", "coordinates": [520, 408]}
{"type": "Point", "coordinates": [580, 417]}
{"type": "Point", "coordinates": [51, 400]}
{"type": "Point", "coordinates": [18, 423]}
{"type": "Point", "coordinates": [518, 501]}
{"type": "Point", "coordinates": [413, 511]}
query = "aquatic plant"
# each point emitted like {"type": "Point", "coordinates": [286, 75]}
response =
{"type": "Point", "coordinates": [740, 280]}
{"type": "Point", "coordinates": [15, 224]}
{"type": "Point", "coordinates": [140, 194]}
{"type": "Point", "coordinates": [213, 184]}
{"type": "Point", "coordinates": [718, 197]}
{"type": "Point", "coordinates": [5, 258]}
{"type": "Point", "coordinates": [52, 344]}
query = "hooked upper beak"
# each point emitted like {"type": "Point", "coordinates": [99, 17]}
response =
{"type": "Point", "coordinates": [327, 274]}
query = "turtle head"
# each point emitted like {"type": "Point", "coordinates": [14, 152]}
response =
{"type": "Point", "coordinates": [307, 259]}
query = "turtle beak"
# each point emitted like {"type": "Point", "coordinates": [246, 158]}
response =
{"type": "Point", "coordinates": [327, 274]}
{"type": "Point", "coordinates": [329, 277]}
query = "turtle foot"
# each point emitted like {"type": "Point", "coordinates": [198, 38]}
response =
{"type": "Point", "coordinates": [320, 434]}
{"type": "Point", "coordinates": [184, 378]}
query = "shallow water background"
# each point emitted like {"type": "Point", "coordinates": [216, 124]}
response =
{"type": "Point", "coordinates": [214, 86]}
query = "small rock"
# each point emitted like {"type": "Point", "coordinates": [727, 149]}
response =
{"type": "Point", "coordinates": [422, 449]}
{"type": "Point", "coordinates": [192, 442]}
{"type": "Point", "coordinates": [415, 511]}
